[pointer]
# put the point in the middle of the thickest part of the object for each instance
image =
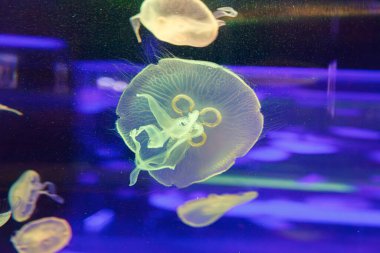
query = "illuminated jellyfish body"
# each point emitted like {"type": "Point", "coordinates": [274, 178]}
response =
{"type": "Point", "coordinates": [187, 121]}
{"type": "Point", "coordinates": [181, 22]}
{"type": "Point", "coordinates": [5, 212]}
{"type": "Point", "coordinates": [6, 108]}
{"type": "Point", "coordinates": [25, 192]}
{"type": "Point", "coordinates": [46, 235]}
{"type": "Point", "coordinates": [205, 211]}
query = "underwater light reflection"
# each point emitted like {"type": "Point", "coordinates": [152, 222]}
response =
{"type": "Point", "coordinates": [99, 220]}
{"type": "Point", "coordinates": [356, 133]}
{"type": "Point", "coordinates": [32, 42]}
{"type": "Point", "coordinates": [264, 154]}
{"type": "Point", "coordinates": [304, 147]}
{"type": "Point", "coordinates": [273, 183]}
{"type": "Point", "coordinates": [109, 83]}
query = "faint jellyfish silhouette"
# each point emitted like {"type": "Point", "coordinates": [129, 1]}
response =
{"type": "Point", "coordinates": [24, 193]}
{"type": "Point", "coordinates": [205, 211]}
{"type": "Point", "coordinates": [181, 22]}
{"type": "Point", "coordinates": [5, 212]}
{"type": "Point", "coordinates": [47, 235]}
{"type": "Point", "coordinates": [187, 121]}
{"type": "Point", "coordinates": [6, 108]}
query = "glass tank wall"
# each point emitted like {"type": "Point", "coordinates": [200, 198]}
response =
{"type": "Point", "coordinates": [253, 126]}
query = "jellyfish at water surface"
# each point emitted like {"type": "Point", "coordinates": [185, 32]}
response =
{"type": "Point", "coordinates": [205, 211]}
{"type": "Point", "coordinates": [181, 22]}
{"type": "Point", "coordinates": [187, 121]}
{"type": "Point", "coordinates": [24, 193]}
{"type": "Point", "coordinates": [46, 235]}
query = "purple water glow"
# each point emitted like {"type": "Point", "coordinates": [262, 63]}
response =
{"type": "Point", "coordinates": [265, 154]}
{"type": "Point", "coordinates": [356, 133]}
{"type": "Point", "coordinates": [31, 42]}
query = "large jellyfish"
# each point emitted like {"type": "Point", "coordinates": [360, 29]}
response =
{"type": "Point", "coordinates": [25, 192]}
{"type": "Point", "coordinates": [205, 211]}
{"type": "Point", "coordinates": [6, 108]}
{"type": "Point", "coordinates": [187, 121]}
{"type": "Point", "coordinates": [46, 235]}
{"type": "Point", "coordinates": [181, 22]}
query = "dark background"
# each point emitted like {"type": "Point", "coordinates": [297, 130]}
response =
{"type": "Point", "coordinates": [100, 29]}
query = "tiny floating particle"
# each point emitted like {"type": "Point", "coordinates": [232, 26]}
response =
{"type": "Point", "coordinates": [46, 235]}
{"type": "Point", "coordinates": [205, 211]}
{"type": "Point", "coordinates": [25, 192]}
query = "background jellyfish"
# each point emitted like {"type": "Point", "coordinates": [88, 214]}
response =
{"type": "Point", "coordinates": [6, 108]}
{"type": "Point", "coordinates": [24, 193]}
{"type": "Point", "coordinates": [47, 235]}
{"type": "Point", "coordinates": [5, 212]}
{"type": "Point", "coordinates": [181, 22]}
{"type": "Point", "coordinates": [187, 121]}
{"type": "Point", "coordinates": [205, 211]}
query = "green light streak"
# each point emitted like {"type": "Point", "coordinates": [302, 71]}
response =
{"type": "Point", "coordinates": [288, 184]}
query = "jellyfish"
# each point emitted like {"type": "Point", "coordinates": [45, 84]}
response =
{"type": "Point", "coordinates": [25, 192]}
{"type": "Point", "coordinates": [181, 22]}
{"type": "Point", "coordinates": [187, 121]}
{"type": "Point", "coordinates": [205, 211]}
{"type": "Point", "coordinates": [5, 212]}
{"type": "Point", "coordinates": [6, 108]}
{"type": "Point", "coordinates": [47, 235]}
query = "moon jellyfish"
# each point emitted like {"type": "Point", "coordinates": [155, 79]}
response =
{"type": "Point", "coordinates": [205, 211]}
{"type": "Point", "coordinates": [47, 235]}
{"type": "Point", "coordinates": [187, 121]}
{"type": "Point", "coordinates": [25, 192]}
{"type": "Point", "coordinates": [5, 212]}
{"type": "Point", "coordinates": [6, 108]}
{"type": "Point", "coordinates": [181, 22]}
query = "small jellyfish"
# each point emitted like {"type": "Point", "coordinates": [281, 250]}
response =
{"type": "Point", "coordinates": [5, 212]}
{"type": "Point", "coordinates": [187, 121]}
{"type": "Point", "coordinates": [25, 192]}
{"type": "Point", "coordinates": [6, 108]}
{"type": "Point", "coordinates": [181, 22]}
{"type": "Point", "coordinates": [205, 211]}
{"type": "Point", "coordinates": [46, 235]}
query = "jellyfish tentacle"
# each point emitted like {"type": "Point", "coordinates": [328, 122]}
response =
{"type": "Point", "coordinates": [215, 111]}
{"type": "Point", "coordinates": [136, 24]}
{"type": "Point", "coordinates": [225, 12]}
{"type": "Point", "coordinates": [157, 137]}
{"type": "Point", "coordinates": [133, 176]}
{"type": "Point", "coordinates": [164, 160]}
{"type": "Point", "coordinates": [177, 98]}
{"type": "Point", "coordinates": [183, 126]}
{"type": "Point", "coordinates": [220, 22]}
{"type": "Point", "coordinates": [51, 192]}
{"type": "Point", "coordinates": [162, 117]}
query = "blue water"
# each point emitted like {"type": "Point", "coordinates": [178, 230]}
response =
{"type": "Point", "coordinates": [316, 168]}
